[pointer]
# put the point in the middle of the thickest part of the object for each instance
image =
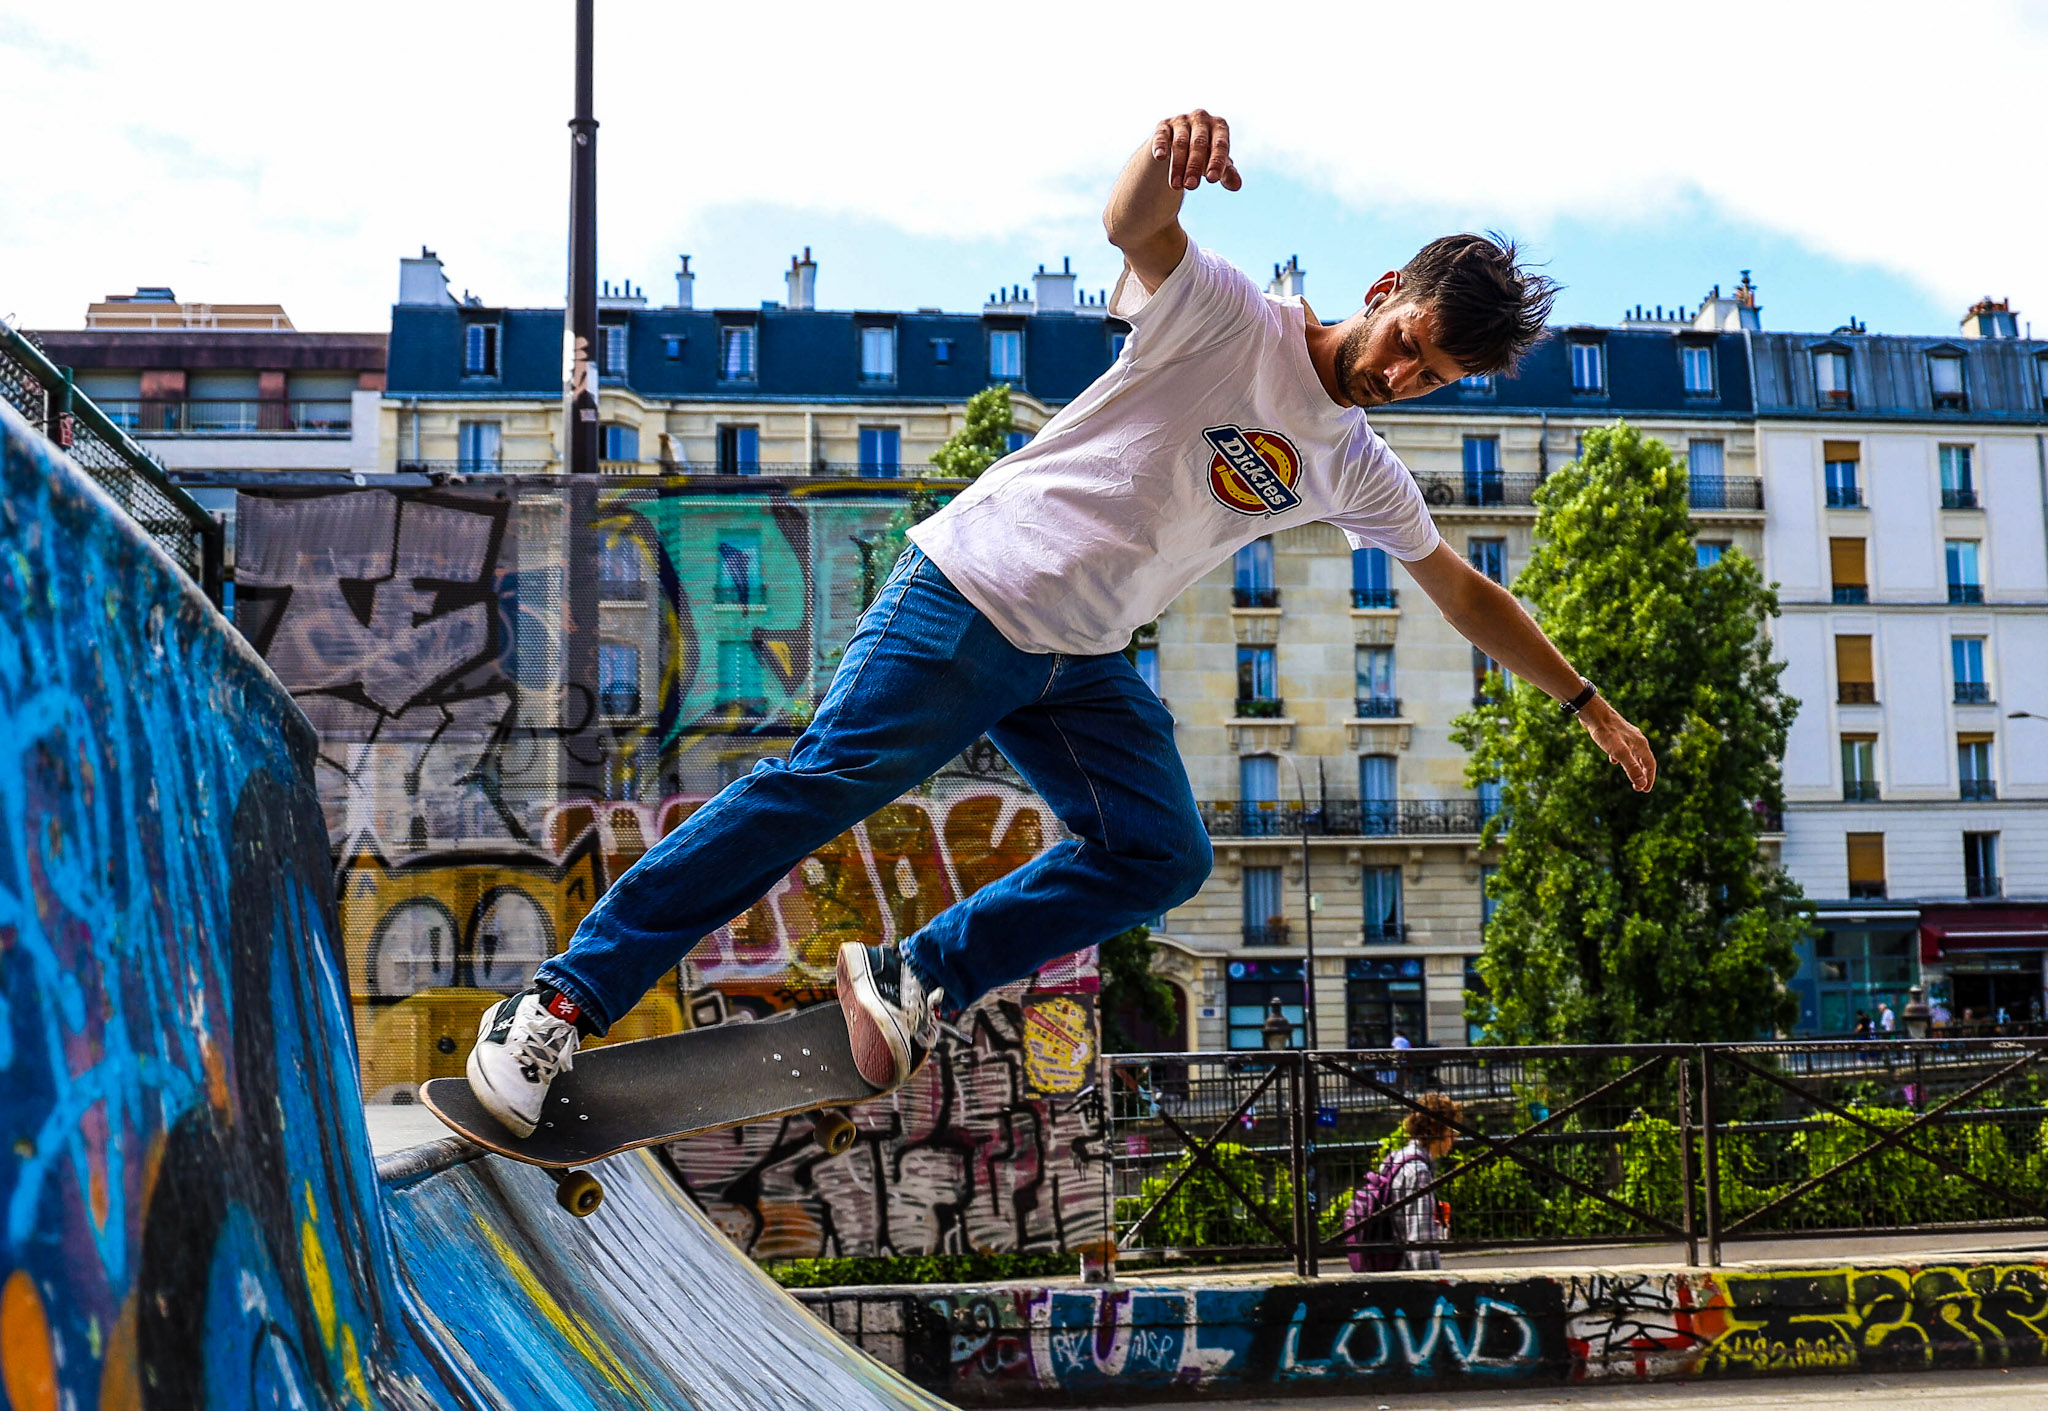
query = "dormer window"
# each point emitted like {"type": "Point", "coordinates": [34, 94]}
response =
{"type": "Point", "coordinates": [480, 350]}
{"type": "Point", "coordinates": [611, 345]}
{"type": "Point", "coordinates": [736, 352]}
{"type": "Point", "coordinates": [877, 353]}
{"type": "Point", "coordinates": [1478, 384]}
{"type": "Point", "coordinates": [1696, 367]}
{"type": "Point", "coordinates": [1831, 379]}
{"type": "Point", "coordinates": [1945, 379]}
{"type": "Point", "coordinates": [1589, 367]}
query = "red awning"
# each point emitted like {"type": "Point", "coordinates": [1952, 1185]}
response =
{"type": "Point", "coordinates": [1982, 928]}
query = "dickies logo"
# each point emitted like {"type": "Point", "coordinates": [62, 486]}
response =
{"type": "Point", "coordinates": [1252, 472]}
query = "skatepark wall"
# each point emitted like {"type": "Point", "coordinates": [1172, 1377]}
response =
{"type": "Point", "coordinates": [193, 1218]}
{"type": "Point", "coordinates": [1137, 1342]}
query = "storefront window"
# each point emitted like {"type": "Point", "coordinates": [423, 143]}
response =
{"type": "Point", "coordinates": [1383, 998]}
{"type": "Point", "coordinates": [1251, 988]}
{"type": "Point", "coordinates": [1851, 970]}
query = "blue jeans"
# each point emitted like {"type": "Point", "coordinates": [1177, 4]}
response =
{"type": "Point", "coordinates": [924, 677]}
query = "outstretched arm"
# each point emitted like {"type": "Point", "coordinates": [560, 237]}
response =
{"type": "Point", "coordinates": [1143, 215]}
{"type": "Point", "coordinates": [1488, 616]}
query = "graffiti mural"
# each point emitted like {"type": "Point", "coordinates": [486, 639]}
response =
{"type": "Point", "coordinates": [1636, 1326]}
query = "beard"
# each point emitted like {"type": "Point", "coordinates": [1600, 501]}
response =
{"type": "Point", "coordinates": [1362, 387]}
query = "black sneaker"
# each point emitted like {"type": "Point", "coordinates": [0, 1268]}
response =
{"type": "Point", "coordinates": [522, 1043]}
{"type": "Point", "coordinates": [890, 1017]}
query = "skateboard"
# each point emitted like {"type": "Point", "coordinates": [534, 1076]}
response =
{"type": "Point", "coordinates": [621, 1096]}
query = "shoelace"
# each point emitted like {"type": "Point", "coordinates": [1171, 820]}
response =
{"type": "Point", "coordinates": [544, 1041]}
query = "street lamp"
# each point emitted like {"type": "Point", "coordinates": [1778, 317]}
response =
{"type": "Point", "coordinates": [1276, 1031]}
{"type": "Point", "coordinates": [1308, 903]}
{"type": "Point", "coordinates": [1916, 1015]}
{"type": "Point", "coordinates": [2024, 715]}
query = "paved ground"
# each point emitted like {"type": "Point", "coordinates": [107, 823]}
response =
{"type": "Point", "coordinates": [1943, 1391]}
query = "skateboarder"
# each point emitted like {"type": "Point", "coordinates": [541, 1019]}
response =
{"type": "Point", "coordinates": [1229, 415]}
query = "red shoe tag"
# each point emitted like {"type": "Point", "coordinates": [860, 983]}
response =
{"type": "Point", "coordinates": [565, 1009]}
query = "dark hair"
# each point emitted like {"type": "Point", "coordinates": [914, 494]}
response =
{"type": "Point", "coordinates": [1489, 309]}
{"type": "Point", "coordinates": [1432, 1122]}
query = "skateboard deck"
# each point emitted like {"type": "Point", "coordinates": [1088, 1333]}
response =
{"type": "Point", "coordinates": [621, 1096]}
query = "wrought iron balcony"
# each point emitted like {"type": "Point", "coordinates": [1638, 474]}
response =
{"type": "Point", "coordinates": [1866, 891]}
{"type": "Point", "coordinates": [1845, 497]}
{"type": "Point", "coordinates": [1273, 933]}
{"type": "Point", "coordinates": [1344, 818]}
{"type": "Point", "coordinates": [1377, 707]}
{"type": "Point", "coordinates": [1389, 934]}
{"type": "Point", "coordinates": [1856, 693]}
{"type": "Point", "coordinates": [239, 417]}
{"type": "Point", "coordinates": [1373, 597]}
{"type": "Point", "coordinates": [1963, 499]}
{"type": "Point", "coordinates": [1852, 593]}
{"type": "Point", "coordinates": [1860, 790]}
{"type": "Point", "coordinates": [1979, 791]}
{"type": "Point", "coordinates": [1982, 886]}
{"type": "Point", "coordinates": [1973, 692]}
{"type": "Point", "coordinates": [1966, 592]}
{"type": "Point", "coordinates": [1255, 597]}
{"type": "Point", "coordinates": [1726, 492]}
{"type": "Point", "coordinates": [1260, 707]}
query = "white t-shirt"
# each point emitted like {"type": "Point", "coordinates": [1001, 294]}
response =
{"type": "Point", "coordinates": [1209, 431]}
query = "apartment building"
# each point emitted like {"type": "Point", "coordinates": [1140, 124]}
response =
{"type": "Point", "coordinates": [1909, 534]}
{"type": "Point", "coordinates": [1314, 689]}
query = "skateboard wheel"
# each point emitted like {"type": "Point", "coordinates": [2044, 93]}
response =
{"type": "Point", "coordinates": [833, 1130]}
{"type": "Point", "coordinates": [579, 1193]}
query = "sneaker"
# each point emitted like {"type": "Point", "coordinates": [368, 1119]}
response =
{"type": "Point", "coordinates": [522, 1043]}
{"type": "Point", "coordinates": [890, 1015]}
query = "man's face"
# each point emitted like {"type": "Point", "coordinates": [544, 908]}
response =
{"type": "Point", "coordinates": [1391, 354]}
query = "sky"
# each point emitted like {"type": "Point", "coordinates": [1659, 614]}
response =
{"type": "Point", "coordinates": [1876, 161]}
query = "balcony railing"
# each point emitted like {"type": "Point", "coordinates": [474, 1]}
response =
{"type": "Point", "coordinates": [1260, 707]}
{"type": "Point", "coordinates": [473, 466]}
{"type": "Point", "coordinates": [1966, 592]}
{"type": "Point", "coordinates": [1377, 707]}
{"type": "Point", "coordinates": [1866, 891]}
{"type": "Point", "coordinates": [1344, 818]}
{"type": "Point", "coordinates": [1981, 886]}
{"type": "Point", "coordinates": [1963, 499]}
{"type": "Point", "coordinates": [1373, 597]}
{"type": "Point", "coordinates": [1241, 597]}
{"type": "Point", "coordinates": [1860, 790]}
{"type": "Point", "coordinates": [1979, 791]}
{"type": "Point", "coordinates": [1973, 692]}
{"type": "Point", "coordinates": [1478, 489]}
{"type": "Point", "coordinates": [1852, 593]}
{"type": "Point", "coordinates": [1722, 492]}
{"type": "Point", "coordinates": [1273, 933]}
{"type": "Point", "coordinates": [1845, 497]}
{"type": "Point", "coordinates": [216, 417]}
{"type": "Point", "coordinates": [1388, 934]}
{"type": "Point", "coordinates": [1856, 693]}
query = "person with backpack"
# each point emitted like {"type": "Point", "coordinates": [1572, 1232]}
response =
{"type": "Point", "coordinates": [1389, 1219]}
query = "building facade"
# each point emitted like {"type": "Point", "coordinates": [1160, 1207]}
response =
{"type": "Point", "coordinates": [1909, 535]}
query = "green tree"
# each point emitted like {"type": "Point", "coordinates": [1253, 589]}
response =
{"type": "Point", "coordinates": [1129, 985]}
{"type": "Point", "coordinates": [1623, 917]}
{"type": "Point", "coordinates": [983, 440]}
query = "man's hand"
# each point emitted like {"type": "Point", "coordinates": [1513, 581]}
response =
{"type": "Point", "coordinates": [1196, 148]}
{"type": "Point", "coordinates": [1624, 743]}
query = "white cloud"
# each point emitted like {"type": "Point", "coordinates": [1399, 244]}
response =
{"type": "Point", "coordinates": [244, 151]}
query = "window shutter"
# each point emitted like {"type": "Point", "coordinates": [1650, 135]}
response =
{"type": "Point", "coordinates": [1845, 564]}
{"type": "Point", "coordinates": [1852, 659]}
{"type": "Point", "coordinates": [1841, 450]}
{"type": "Point", "coordinates": [1866, 857]}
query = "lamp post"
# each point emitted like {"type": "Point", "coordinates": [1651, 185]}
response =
{"type": "Point", "coordinates": [1308, 906]}
{"type": "Point", "coordinates": [1916, 1015]}
{"type": "Point", "coordinates": [1276, 1031]}
{"type": "Point", "coordinates": [580, 432]}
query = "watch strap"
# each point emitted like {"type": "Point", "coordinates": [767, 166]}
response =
{"type": "Point", "coordinates": [1587, 690]}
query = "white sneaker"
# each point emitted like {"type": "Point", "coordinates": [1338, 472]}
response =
{"type": "Point", "coordinates": [522, 1043]}
{"type": "Point", "coordinates": [890, 1018]}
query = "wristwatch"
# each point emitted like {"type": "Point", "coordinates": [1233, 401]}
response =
{"type": "Point", "coordinates": [1579, 702]}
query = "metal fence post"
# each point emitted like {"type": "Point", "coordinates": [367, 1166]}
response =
{"type": "Point", "coordinates": [1685, 1163]}
{"type": "Point", "coordinates": [1297, 1157]}
{"type": "Point", "coordinates": [1311, 1219]}
{"type": "Point", "coordinates": [1713, 1164]}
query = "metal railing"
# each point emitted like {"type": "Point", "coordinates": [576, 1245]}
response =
{"type": "Point", "coordinates": [1851, 593]}
{"type": "Point", "coordinates": [1257, 1154]}
{"type": "Point", "coordinates": [1973, 692]}
{"type": "Point", "coordinates": [1260, 707]}
{"type": "Point", "coordinates": [1344, 818]}
{"type": "Point", "coordinates": [1376, 707]}
{"type": "Point", "coordinates": [1845, 497]}
{"type": "Point", "coordinates": [1966, 592]}
{"type": "Point", "coordinates": [1963, 499]}
{"type": "Point", "coordinates": [1375, 597]}
{"type": "Point", "coordinates": [232, 416]}
{"type": "Point", "coordinates": [1242, 597]}
{"type": "Point", "coordinates": [43, 393]}
{"type": "Point", "coordinates": [1979, 790]}
{"type": "Point", "coordinates": [1722, 492]}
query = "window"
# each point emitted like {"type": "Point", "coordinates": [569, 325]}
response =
{"type": "Point", "coordinates": [1006, 353]}
{"type": "Point", "coordinates": [1477, 383]}
{"type": "Point", "coordinates": [618, 443]}
{"type": "Point", "coordinates": [739, 450]}
{"type": "Point", "coordinates": [1859, 768]}
{"type": "Point", "coordinates": [739, 674]}
{"type": "Point", "coordinates": [1973, 768]}
{"type": "Point", "coordinates": [1696, 364]}
{"type": "Point", "coordinates": [1966, 657]}
{"type": "Point", "coordinates": [1250, 988]}
{"type": "Point", "coordinates": [1382, 905]}
{"type": "Point", "coordinates": [1148, 665]}
{"type": "Point", "coordinates": [611, 344]}
{"type": "Point", "coordinates": [1015, 441]}
{"type": "Point", "coordinates": [1589, 367]}
{"type": "Point", "coordinates": [1375, 670]}
{"type": "Point", "coordinates": [1958, 485]}
{"type": "Point", "coordinates": [1705, 475]}
{"type": "Point", "coordinates": [1265, 916]}
{"type": "Point", "coordinates": [1257, 682]}
{"type": "Point", "coordinates": [478, 445]}
{"type": "Point", "coordinates": [1854, 968]}
{"type": "Point", "coordinates": [1707, 552]}
{"type": "Point", "coordinates": [1945, 380]}
{"type": "Point", "coordinates": [1252, 576]}
{"type": "Point", "coordinates": [881, 454]}
{"type": "Point", "coordinates": [1866, 866]}
{"type": "Point", "coordinates": [480, 349]}
{"type": "Point", "coordinates": [1379, 807]}
{"type": "Point", "coordinates": [1831, 378]}
{"type": "Point", "coordinates": [1371, 579]}
{"type": "Point", "coordinates": [736, 347]}
{"type": "Point", "coordinates": [1980, 865]}
{"type": "Point", "coordinates": [672, 346]}
{"type": "Point", "coordinates": [1117, 340]}
{"type": "Point", "coordinates": [942, 350]}
{"type": "Point", "coordinates": [1846, 571]}
{"type": "Point", "coordinates": [1258, 785]}
{"type": "Point", "coordinates": [878, 354]}
{"type": "Point", "coordinates": [1964, 586]}
{"type": "Point", "coordinates": [1489, 556]}
{"type": "Point", "coordinates": [1482, 470]}
{"type": "Point", "coordinates": [618, 679]}
{"type": "Point", "coordinates": [739, 569]}
{"type": "Point", "coordinates": [1840, 458]}
{"type": "Point", "coordinates": [1855, 684]}
{"type": "Point", "coordinates": [618, 568]}
{"type": "Point", "coordinates": [1383, 998]}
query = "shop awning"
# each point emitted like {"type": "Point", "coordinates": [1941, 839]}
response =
{"type": "Point", "coordinates": [1982, 928]}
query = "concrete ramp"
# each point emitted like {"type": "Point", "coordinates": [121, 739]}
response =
{"type": "Point", "coordinates": [192, 1218]}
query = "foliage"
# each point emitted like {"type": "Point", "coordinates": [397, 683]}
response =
{"type": "Point", "coordinates": [1205, 1212]}
{"type": "Point", "coordinates": [1129, 985]}
{"type": "Point", "coordinates": [983, 440]}
{"type": "Point", "coordinates": [921, 1269]}
{"type": "Point", "coordinates": [1623, 917]}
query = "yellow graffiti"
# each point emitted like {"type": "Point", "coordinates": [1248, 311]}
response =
{"type": "Point", "coordinates": [578, 1333]}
